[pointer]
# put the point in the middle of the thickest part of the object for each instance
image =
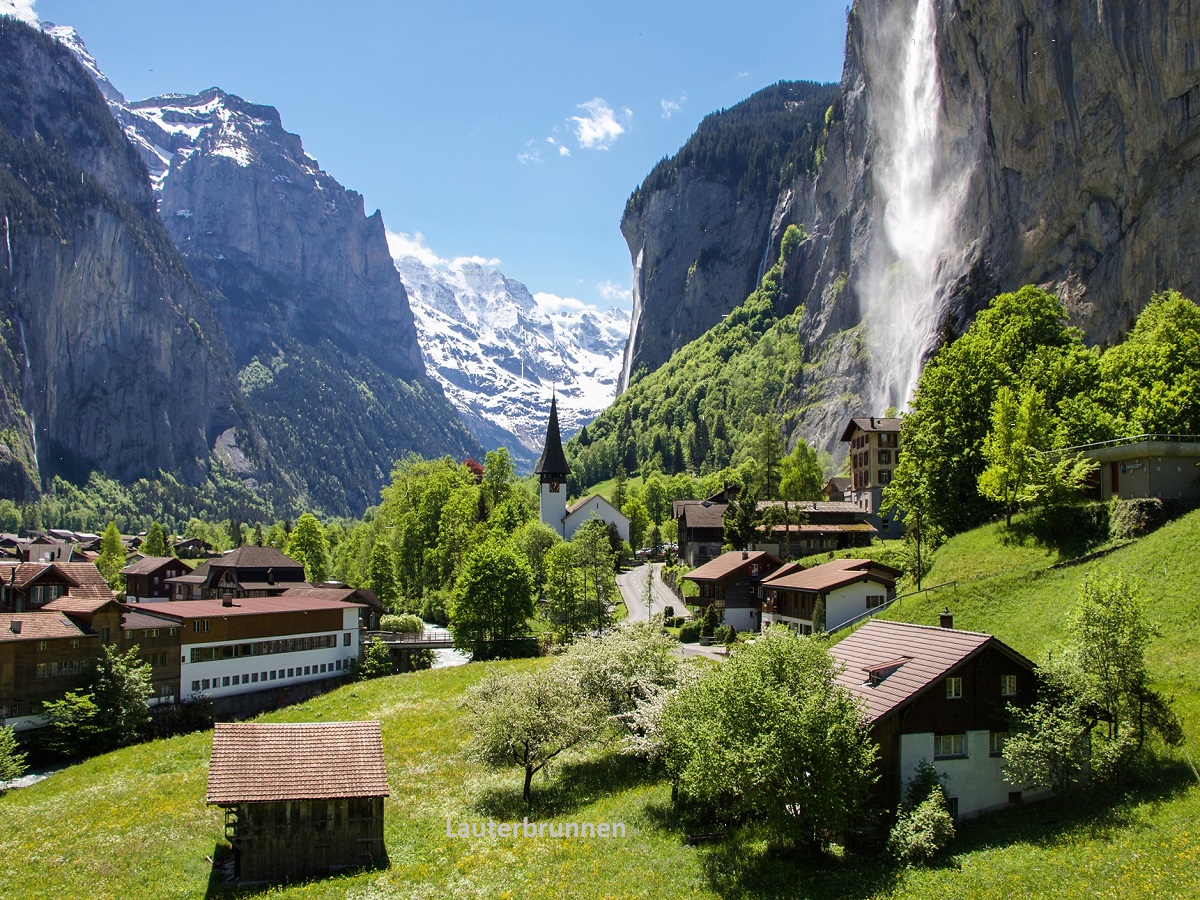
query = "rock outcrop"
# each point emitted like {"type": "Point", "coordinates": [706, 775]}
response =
{"type": "Point", "coordinates": [112, 358]}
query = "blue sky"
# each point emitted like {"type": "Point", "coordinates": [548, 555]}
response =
{"type": "Point", "coordinates": [513, 132]}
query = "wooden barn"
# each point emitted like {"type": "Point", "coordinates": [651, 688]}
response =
{"type": "Point", "coordinates": [300, 800]}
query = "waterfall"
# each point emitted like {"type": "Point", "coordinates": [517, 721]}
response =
{"type": "Point", "coordinates": [635, 319]}
{"type": "Point", "coordinates": [921, 193]}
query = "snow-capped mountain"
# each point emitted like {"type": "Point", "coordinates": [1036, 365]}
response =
{"type": "Point", "coordinates": [498, 351]}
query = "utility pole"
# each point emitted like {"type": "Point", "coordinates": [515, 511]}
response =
{"type": "Point", "coordinates": [649, 592]}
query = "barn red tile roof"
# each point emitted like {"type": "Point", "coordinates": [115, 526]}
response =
{"type": "Point", "coordinates": [137, 620]}
{"type": "Point", "coordinates": [247, 606]}
{"type": "Point", "coordinates": [833, 574]}
{"type": "Point", "coordinates": [38, 626]}
{"type": "Point", "coordinates": [255, 762]}
{"type": "Point", "coordinates": [909, 658]}
{"type": "Point", "coordinates": [71, 603]}
{"type": "Point", "coordinates": [728, 563]}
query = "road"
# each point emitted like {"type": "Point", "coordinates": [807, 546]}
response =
{"type": "Point", "coordinates": [633, 591]}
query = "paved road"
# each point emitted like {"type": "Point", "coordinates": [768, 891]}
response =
{"type": "Point", "coordinates": [633, 591]}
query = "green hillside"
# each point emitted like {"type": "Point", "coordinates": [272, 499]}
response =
{"type": "Point", "coordinates": [133, 823]}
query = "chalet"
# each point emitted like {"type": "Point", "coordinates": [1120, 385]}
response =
{"type": "Point", "coordinates": [732, 582]}
{"type": "Point", "coordinates": [806, 527]}
{"type": "Point", "coordinates": [937, 694]}
{"type": "Point", "coordinates": [245, 572]}
{"type": "Point", "coordinates": [300, 800]}
{"type": "Point", "coordinates": [1149, 465]}
{"type": "Point", "coordinates": [158, 642]}
{"type": "Point", "coordinates": [42, 656]}
{"type": "Point", "coordinates": [98, 614]}
{"type": "Point", "coordinates": [193, 548]}
{"type": "Point", "coordinates": [828, 596]}
{"type": "Point", "coordinates": [701, 528]}
{"type": "Point", "coordinates": [27, 586]}
{"type": "Point", "coordinates": [581, 510]}
{"type": "Point", "coordinates": [230, 647]}
{"type": "Point", "coordinates": [837, 488]}
{"type": "Point", "coordinates": [146, 579]}
{"type": "Point", "coordinates": [874, 452]}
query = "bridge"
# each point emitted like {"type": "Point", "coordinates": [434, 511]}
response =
{"type": "Point", "coordinates": [413, 640]}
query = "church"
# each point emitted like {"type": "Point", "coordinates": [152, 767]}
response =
{"type": "Point", "coordinates": [552, 471]}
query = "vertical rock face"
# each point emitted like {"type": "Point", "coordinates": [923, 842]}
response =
{"type": "Point", "coordinates": [1065, 153]}
{"type": "Point", "coordinates": [113, 359]}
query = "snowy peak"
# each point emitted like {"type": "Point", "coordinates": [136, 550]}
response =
{"type": "Point", "coordinates": [498, 350]}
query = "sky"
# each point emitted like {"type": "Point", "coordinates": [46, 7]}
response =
{"type": "Point", "coordinates": [512, 132]}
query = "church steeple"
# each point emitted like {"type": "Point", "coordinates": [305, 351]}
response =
{"type": "Point", "coordinates": [552, 464]}
{"type": "Point", "coordinates": [552, 470]}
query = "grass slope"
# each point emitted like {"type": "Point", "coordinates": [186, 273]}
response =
{"type": "Point", "coordinates": [133, 823]}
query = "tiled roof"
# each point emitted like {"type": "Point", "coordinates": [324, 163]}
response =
{"type": "Point", "coordinates": [148, 565]}
{"type": "Point", "coordinates": [39, 626]}
{"type": "Point", "coordinates": [71, 603]}
{"type": "Point", "coordinates": [924, 653]}
{"type": "Point", "coordinates": [342, 594]}
{"type": "Point", "coordinates": [827, 507]}
{"type": "Point", "coordinates": [870, 423]}
{"type": "Point", "coordinates": [697, 515]}
{"type": "Point", "coordinates": [84, 578]}
{"type": "Point", "coordinates": [255, 762]}
{"type": "Point", "coordinates": [846, 527]}
{"type": "Point", "coordinates": [256, 558]}
{"type": "Point", "coordinates": [728, 563]}
{"type": "Point", "coordinates": [247, 606]}
{"type": "Point", "coordinates": [830, 575]}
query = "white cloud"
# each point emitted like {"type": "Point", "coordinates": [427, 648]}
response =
{"type": "Point", "coordinates": [614, 293]}
{"type": "Point", "coordinates": [598, 129]}
{"type": "Point", "coordinates": [19, 9]}
{"type": "Point", "coordinates": [743, 74]}
{"type": "Point", "coordinates": [670, 107]}
{"type": "Point", "coordinates": [528, 157]}
{"type": "Point", "coordinates": [402, 245]}
{"type": "Point", "coordinates": [564, 150]}
{"type": "Point", "coordinates": [552, 303]}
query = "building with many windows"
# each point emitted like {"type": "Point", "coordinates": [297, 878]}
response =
{"type": "Point", "coordinates": [42, 656]}
{"type": "Point", "coordinates": [874, 452]}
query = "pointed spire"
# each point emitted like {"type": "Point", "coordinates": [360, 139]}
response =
{"type": "Point", "coordinates": [552, 465]}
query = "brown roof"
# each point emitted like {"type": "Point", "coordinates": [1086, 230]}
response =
{"type": "Point", "coordinates": [38, 626]}
{"type": "Point", "coordinates": [255, 762]}
{"type": "Point", "coordinates": [841, 482]}
{"type": "Point", "coordinates": [136, 620]}
{"type": "Point", "coordinates": [869, 423]}
{"type": "Point", "coordinates": [148, 565]}
{"type": "Point", "coordinates": [84, 578]}
{"type": "Point", "coordinates": [849, 527]}
{"type": "Point", "coordinates": [728, 563]}
{"type": "Point", "coordinates": [72, 603]}
{"type": "Point", "coordinates": [816, 506]}
{"type": "Point", "coordinates": [701, 513]}
{"type": "Point", "coordinates": [910, 658]}
{"type": "Point", "coordinates": [834, 574]}
{"type": "Point", "coordinates": [247, 606]}
{"type": "Point", "coordinates": [253, 557]}
{"type": "Point", "coordinates": [340, 593]}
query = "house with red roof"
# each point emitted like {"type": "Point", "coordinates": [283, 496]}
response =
{"type": "Point", "coordinates": [937, 695]}
{"type": "Point", "coordinates": [301, 800]}
{"type": "Point", "coordinates": [31, 585]}
{"type": "Point", "coordinates": [733, 584]}
{"type": "Point", "coordinates": [828, 596]}
{"type": "Point", "coordinates": [42, 656]}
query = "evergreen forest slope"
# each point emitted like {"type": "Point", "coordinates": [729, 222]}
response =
{"type": "Point", "coordinates": [115, 825]}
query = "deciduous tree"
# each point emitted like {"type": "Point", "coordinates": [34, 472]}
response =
{"type": "Point", "coordinates": [493, 596]}
{"type": "Point", "coordinates": [308, 545]}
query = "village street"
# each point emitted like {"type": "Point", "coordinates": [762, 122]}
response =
{"type": "Point", "coordinates": [633, 591]}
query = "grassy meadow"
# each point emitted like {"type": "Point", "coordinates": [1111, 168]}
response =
{"type": "Point", "coordinates": [133, 824]}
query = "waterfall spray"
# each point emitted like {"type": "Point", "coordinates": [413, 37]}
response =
{"type": "Point", "coordinates": [921, 194]}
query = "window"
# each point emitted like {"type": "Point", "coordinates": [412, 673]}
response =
{"type": "Point", "coordinates": [254, 677]}
{"type": "Point", "coordinates": [41, 645]}
{"type": "Point", "coordinates": [346, 639]}
{"type": "Point", "coordinates": [225, 681]}
{"type": "Point", "coordinates": [953, 688]}
{"type": "Point", "coordinates": [996, 742]}
{"type": "Point", "coordinates": [875, 600]}
{"type": "Point", "coordinates": [885, 457]}
{"type": "Point", "coordinates": [206, 684]}
{"type": "Point", "coordinates": [1008, 685]}
{"type": "Point", "coordinates": [195, 686]}
{"type": "Point", "coordinates": [237, 679]}
{"type": "Point", "coordinates": [308, 670]}
{"type": "Point", "coordinates": [291, 673]}
{"type": "Point", "coordinates": [946, 746]}
{"type": "Point", "coordinates": [41, 670]}
{"type": "Point", "coordinates": [200, 625]}
{"type": "Point", "coordinates": [885, 476]}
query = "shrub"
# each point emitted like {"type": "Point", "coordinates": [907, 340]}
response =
{"type": "Point", "coordinates": [690, 633]}
{"type": "Point", "coordinates": [12, 761]}
{"type": "Point", "coordinates": [923, 832]}
{"type": "Point", "coordinates": [406, 622]}
{"type": "Point", "coordinates": [1136, 517]}
{"type": "Point", "coordinates": [376, 660]}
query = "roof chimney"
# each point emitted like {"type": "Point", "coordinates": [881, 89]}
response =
{"type": "Point", "coordinates": [15, 626]}
{"type": "Point", "coordinates": [745, 554]}
{"type": "Point", "coordinates": [946, 618]}
{"type": "Point", "coordinates": [227, 599]}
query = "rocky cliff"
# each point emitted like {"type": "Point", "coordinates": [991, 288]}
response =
{"type": "Point", "coordinates": [974, 146]}
{"type": "Point", "coordinates": [111, 356]}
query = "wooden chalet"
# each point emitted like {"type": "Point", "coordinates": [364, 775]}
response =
{"type": "Point", "coordinates": [701, 526]}
{"type": "Point", "coordinates": [31, 585]}
{"type": "Point", "coordinates": [300, 800]}
{"type": "Point", "coordinates": [937, 695]}
{"type": "Point", "coordinates": [828, 596]}
{"type": "Point", "coordinates": [158, 640]}
{"type": "Point", "coordinates": [146, 580]}
{"type": "Point", "coordinates": [837, 488]}
{"type": "Point", "coordinates": [42, 656]}
{"type": "Point", "coordinates": [807, 527]}
{"type": "Point", "coordinates": [244, 572]}
{"type": "Point", "coordinates": [732, 582]}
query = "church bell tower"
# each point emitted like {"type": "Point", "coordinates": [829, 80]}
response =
{"type": "Point", "coordinates": [552, 471]}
